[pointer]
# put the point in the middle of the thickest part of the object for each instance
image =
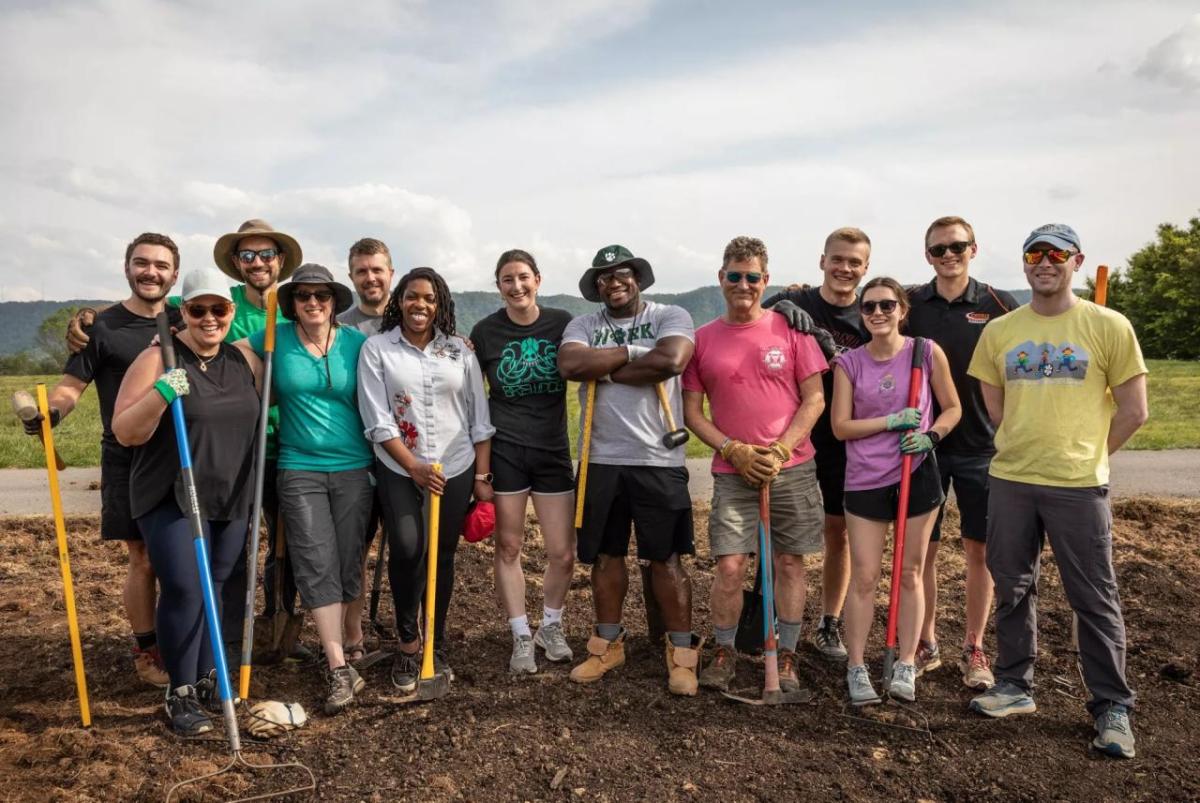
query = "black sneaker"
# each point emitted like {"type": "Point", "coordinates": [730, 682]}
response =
{"type": "Point", "coordinates": [828, 639]}
{"type": "Point", "coordinates": [406, 668]}
{"type": "Point", "coordinates": [207, 693]}
{"type": "Point", "coordinates": [344, 683]}
{"type": "Point", "coordinates": [186, 716]}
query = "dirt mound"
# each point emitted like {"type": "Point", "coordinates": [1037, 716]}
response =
{"type": "Point", "coordinates": [543, 738]}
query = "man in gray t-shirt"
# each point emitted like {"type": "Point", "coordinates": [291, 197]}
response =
{"type": "Point", "coordinates": [627, 348]}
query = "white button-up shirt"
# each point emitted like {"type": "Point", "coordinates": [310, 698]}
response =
{"type": "Point", "coordinates": [431, 398]}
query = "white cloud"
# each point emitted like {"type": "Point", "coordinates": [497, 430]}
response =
{"type": "Point", "coordinates": [1175, 61]}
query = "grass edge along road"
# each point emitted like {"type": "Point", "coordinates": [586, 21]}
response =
{"type": "Point", "coordinates": [1174, 419]}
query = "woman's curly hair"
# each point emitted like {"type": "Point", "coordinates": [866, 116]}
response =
{"type": "Point", "coordinates": [443, 316]}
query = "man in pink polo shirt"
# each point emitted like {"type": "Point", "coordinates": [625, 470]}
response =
{"type": "Point", "coordinates": [763, 382]}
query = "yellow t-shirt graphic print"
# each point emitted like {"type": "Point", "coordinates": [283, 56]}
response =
{"type": "Point", "coordinates": [1056, 373]}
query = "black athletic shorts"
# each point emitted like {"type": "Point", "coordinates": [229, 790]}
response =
{"type": "Point", "coordinates": [970, 475]}
{"type": "Point", "coordinates": [880, 504]}
{"type": "Point", "coordinates": [655, 500]}
{"type": "Point", "coordinates": [831, 475]}
{"type": "Point", "coordinates": [518, 469]}
{"type": "Point", "coordinates": [116, 514]}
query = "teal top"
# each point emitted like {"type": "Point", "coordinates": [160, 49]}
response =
{"type": "Point", "coordinates": [319, 425]}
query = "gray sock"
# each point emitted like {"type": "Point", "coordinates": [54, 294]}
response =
{"type": "Point", "coordinates": [726, 636]}
{"type": "Point", "coordinates": [608, 632]}
{"type": "Point", "coordinates": [789, 634]}
{"type": "Point", "coordinates": [678, 639]}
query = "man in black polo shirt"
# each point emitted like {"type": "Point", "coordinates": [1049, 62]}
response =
{"type": "Point", "coordinates": [952, 310]}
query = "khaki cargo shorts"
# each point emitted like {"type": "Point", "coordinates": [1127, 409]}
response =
{"type": "Point", "coordinates": [797, 513]}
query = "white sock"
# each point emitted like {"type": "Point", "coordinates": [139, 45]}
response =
{"type": "Point", "coordinates": [520, 626]}
{"type": "Point", "coordinates": [551, 616]}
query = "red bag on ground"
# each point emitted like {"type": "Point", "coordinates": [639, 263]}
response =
{"type": "Point", "coordinates": [480, 522]}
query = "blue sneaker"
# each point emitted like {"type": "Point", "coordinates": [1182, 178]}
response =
{"type": "Point", "coordinates": [1002, 700]}
{"type": "Point", "coordinates": [1114, 735]}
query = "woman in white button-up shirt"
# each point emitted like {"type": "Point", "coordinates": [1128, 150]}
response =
{"type": "Point", "coordinates": [420, 393]}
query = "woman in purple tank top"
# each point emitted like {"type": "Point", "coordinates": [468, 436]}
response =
{"type": "Point", "coordinates": [870, 413]}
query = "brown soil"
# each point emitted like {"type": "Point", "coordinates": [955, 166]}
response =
{"type": "Point", "coordinates": [544, 738]}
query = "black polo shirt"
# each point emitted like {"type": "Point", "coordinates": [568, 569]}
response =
{"type": "Point", "coordinates": [956, 326]}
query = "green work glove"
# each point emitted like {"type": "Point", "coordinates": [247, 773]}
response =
{"type": "Point", "coordinates": [908, 418]}
{"type": "Point", "coordinates": [916, 443]}
{"type": "Point", "coordinates": [172, 385]}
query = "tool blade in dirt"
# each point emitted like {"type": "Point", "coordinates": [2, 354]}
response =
{"type": "Point", "coordinates": [585, 451]}
{"type": "Point", "coordinates": [27, 410]}
{"type": "Point", "coordinates": [675, 436]}
{"type": "Point", "coordinates": [432, 685]}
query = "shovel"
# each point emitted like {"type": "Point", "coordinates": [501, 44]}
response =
{"type": "Point", "coordinates": [432, 685]}
{"type": "Point", "coordinates": [285, 627]}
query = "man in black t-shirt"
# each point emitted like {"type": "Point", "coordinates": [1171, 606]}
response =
{"type": "Point", "coordinates": [118, 335]}
{"type": "Point", "coordinates": [952, 310]}
{"type": "Point", "coordinates": [834, 307]}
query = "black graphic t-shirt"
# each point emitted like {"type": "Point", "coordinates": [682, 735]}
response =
{"type": "Point", "coordinates": [526, 396]}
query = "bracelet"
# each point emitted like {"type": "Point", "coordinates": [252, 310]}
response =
{"type": "Point", "coordinates": [724, 443]}
{"type": "Point", "coordinates": [634, 352]}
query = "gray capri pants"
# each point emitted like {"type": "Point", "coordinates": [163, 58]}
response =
{"type": "Point", "coordinates": [325, 520]}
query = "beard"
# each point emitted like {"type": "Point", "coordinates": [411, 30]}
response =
{"type": "Point", "coordinates": [150, 296]}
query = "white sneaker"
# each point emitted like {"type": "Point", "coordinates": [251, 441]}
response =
{"type": "Point", "coordinates": [523, 661]}
{"type": "Point", "coordinates": [858, 680]}
{"type": "Point", "coordinates": [551, 639]}
{"type": "Point", "coordinates": [904, 682]}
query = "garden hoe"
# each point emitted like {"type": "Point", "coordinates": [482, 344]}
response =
{"type": "Point", "coordinates": [211, 614]}
{"type": "Point", "coordinates": [772, 694]}
{"type": "Point", "coordinates": [432, 685]}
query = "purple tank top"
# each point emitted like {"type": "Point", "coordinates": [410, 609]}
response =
{"type": "Point", "coordinates": [881, 388]}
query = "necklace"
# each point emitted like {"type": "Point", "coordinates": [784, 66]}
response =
{"type": "Point", "coordinates": [204, 363]}
{"type": "Point", "coordinates": [324, 351]}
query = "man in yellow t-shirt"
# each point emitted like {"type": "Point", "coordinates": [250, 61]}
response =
{"type": "Point", "coordinates": [1064, 381]}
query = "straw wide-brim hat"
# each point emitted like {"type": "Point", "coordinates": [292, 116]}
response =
{"type": "Point", "coordinates": [312, 273]}
{"type": "Point", "coordinates": [227, 244]}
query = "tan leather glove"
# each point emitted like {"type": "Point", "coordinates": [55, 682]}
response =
{"type": "Point", "coordinates": [778, 454]}
{"type": "Point", "coordinates": [754, 466]}
{"type": "Point", "coordinates": [271, 718]}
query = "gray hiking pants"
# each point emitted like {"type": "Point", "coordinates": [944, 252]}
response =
{"type": "Point", "coordinates": [1078, 522]}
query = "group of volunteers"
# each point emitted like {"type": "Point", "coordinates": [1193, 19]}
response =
{"type": "Point", "coordinates": [382, 402]}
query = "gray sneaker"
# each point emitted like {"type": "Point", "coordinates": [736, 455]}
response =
{"type": "Point", "coordinates": [1002, 700]}
{"type": "Point", "coordinates": [720, 670]}
{"type": "Point", "coordinates": [344, 683]}
{"type": "Point", "coordinates": [903, 685]}
{"type": "Point", "coordinates": [551, 639]}
{"type": "Point", "coordinates": [1114, 734]}
{"type": "Point", "coordinates": [858, 680]}
{"type": "Point", "coordinates": [828, 638]}
{"type": "Point", "coordinates": [522, 661]}
{"type": "Point", "coordinates": [406, 668]}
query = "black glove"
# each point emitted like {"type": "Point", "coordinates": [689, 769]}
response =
{"type": "Point", "coordinates": [34, 425]}
{"type": "Point", "coordinates": [797, 318]}
{"type": "Point", "coordinates": [825, 341]}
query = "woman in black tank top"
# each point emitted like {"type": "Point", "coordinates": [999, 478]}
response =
{"type": "Point", "coordinates": [218, 384]}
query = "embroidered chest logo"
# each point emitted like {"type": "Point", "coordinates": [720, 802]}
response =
{"type": "Point", "coordinates": [887, 383]}
{"type": "Point", "coordinates": [978, 317]}
{"type": "Point", "coordinates": [774, 360]}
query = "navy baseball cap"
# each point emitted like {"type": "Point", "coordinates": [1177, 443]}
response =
{"type": "Point", "coordinates": [1059, 235]}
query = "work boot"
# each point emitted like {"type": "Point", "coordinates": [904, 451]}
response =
{"type": "Point", "coordinates": [522, 661]}
{"type": "Point", "coordinates": [148, 664]}
{"type": "Point", "coordinates": [789, 677]}
{"type": "Point", "coordinates": [551, 639]}
{"type": "Point", "coordinates": [603, 656]}
{"type": "Point", "coordinates": [344, 683]}
{"type": "Point", "coordinates": [186, 716]}
{"type": "Point", "coordinates": [721, 669]}
{"type": "Point", "coordinates": [681, 667]}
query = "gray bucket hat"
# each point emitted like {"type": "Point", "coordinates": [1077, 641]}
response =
{"type": "Point", "coordinates": [312, 273]}
{"type": "Point", "coordinates": [608, 258]}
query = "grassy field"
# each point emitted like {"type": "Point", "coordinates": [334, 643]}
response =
{"type": "Point", "coordinates": [1174, 420]}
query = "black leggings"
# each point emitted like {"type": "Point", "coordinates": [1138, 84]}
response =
{"type": "Point", "coordinates": [403, 506]}
{"type": "Point", "coordinates": [182, 630]}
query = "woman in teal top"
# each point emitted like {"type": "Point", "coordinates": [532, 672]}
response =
{"type": "Point", "coordinates": [324, 479]}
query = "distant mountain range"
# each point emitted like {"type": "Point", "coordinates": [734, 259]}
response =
{"type": "Point", "coordinates": [19, 320]}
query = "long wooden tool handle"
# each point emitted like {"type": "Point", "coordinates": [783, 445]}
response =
{"type": "Point", "coordinates": [1101, 293]}
{"type": "Point", "coordinates": [585, 451]}
{"type": "Point", "coordinates": [431, 556]}
{"type": "Point", "coordinates": [661, 388]}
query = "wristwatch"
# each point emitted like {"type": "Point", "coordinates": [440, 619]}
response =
{"type": "Point", "coordinates": [934, 437]}
{"type": "Point", "coordinates": [485, 477]}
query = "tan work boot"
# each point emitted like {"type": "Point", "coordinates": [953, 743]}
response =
{"type": "Point", "coordinates": [603, 656]}
{"type": "Point", "coordinates": [149, 666]}
{"type": "Point", "coordinates": [681, 666]}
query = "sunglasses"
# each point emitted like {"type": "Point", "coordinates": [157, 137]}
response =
{"type": "Point", "coordinates": [618, 275]}
{"type": "Point", "coordinates": [735, 276]}
{"type": "Point", "coordinates": [887, 307]}
{"type": "Point", "coordinates": [266, 255]}
{"type": "Point", "coordinates": [956, 248]}
{"type": "Point", "coordinates": [1058, 256]}
{"type": "Point", "coordinates": [198, 311]}
{"type": "Point", "coordinates": [319, 295]}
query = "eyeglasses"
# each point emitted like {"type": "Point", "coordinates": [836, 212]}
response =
{"type": "Point", "coordinates": [266, 255]}
{"type": "Point", "coordinates": [319, 295]}
{"type": "Point", "coordinates": [1058, 256]}
{"type": "Point", "coordinates": [887, 307]}
{"type": "Point", "coordinates": [735, 276]}
{"type": "Point", "coordinates": [618, 275]}
{"type": "Point", "coordinates": [956, 248]}
{"type": "Point", "coordinates": [198, 311]}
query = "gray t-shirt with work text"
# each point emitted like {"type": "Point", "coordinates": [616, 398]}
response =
{"type": "Point", "coordinates": [628, 423]}
{"type": "Point", "coordinates": [367, 324]}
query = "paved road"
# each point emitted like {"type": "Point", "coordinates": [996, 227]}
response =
{"type": "Point", "coordinates": [1170, 473]}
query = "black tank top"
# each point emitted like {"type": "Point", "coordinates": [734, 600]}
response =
{"type": "Point", "coordinates": [221, 411]}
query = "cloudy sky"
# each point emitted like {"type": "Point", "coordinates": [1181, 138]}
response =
{"type": "Point", "coordinates": [453, 130]}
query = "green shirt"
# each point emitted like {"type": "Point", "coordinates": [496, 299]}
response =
{"type": "Point", "coordinates": [320, 428]}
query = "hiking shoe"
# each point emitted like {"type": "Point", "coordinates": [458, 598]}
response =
{"type": "Point", "coordinates": [1114, 734]}
{"type": "Point", "coordinates": [603, 656]}
{"type": "Point", "coordinates": [789, 678]}
{"type": "Point", "coordinates": [903, 685]}
{"type": "Point", "coordinates": [551, 639]}
{"type": "Point", "coordinates": [441, 666]}
{"type": "Point", "coordinates": [681, 667]}
{"type": "Point", "coordinates": [148, 664]}
{"type": "Point", "coordinates": [406, 668]}
{"type": "Point", "coordinates": [1002, 700]}
{"type": "Point", "coordinates": [976, 673]}
{"type": "Point", "coordinates": [858, 681]}
{"type": "Point", "coordinates": [522, 661]}
{"type": "Point", "coordinates": [720, 670]}
{"type": "Point", "coordinates": [344, 683]}
{"type": "Point", "coordinates": [929, 657]}
{"type": "Point", "coordinates": [828, 638]}
{"type": "Point", "coordinates": [186, 716]}
{"type": "Point", "coordinates": [207, 693]}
